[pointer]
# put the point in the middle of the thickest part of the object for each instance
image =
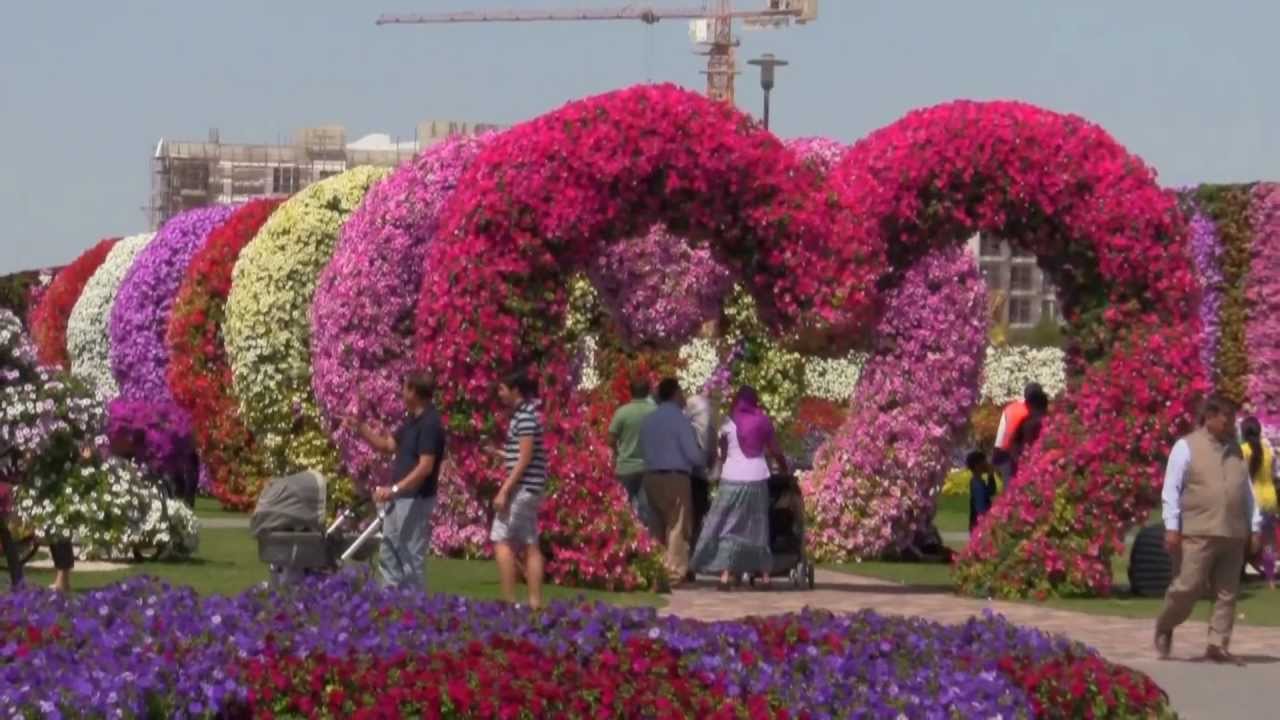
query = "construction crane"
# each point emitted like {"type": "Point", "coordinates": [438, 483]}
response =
{"type": "Point", "coordinates": [712, 27]}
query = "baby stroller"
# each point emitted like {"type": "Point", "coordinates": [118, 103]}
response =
{"type": "Point", "coordinates": [288, 523]}
{"type": "Point", "coordinates": [786, 532]}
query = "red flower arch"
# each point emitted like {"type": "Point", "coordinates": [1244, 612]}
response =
{"type": "Point", "coordinates": [1115, 245]}
{"type": "Point", "coordinates": [199, 374]}
{"type": "Point", "coordinates": [49, 318]}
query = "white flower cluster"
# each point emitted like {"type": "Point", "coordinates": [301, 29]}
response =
{"type": "Point", "coordinates": [589, 377]}
{"type": "Point", "coordinates": [88, 328]}
{"type": "Point", "coordinates": [833, 379]}
{"type": "Point", "coordinates": [1009, 369]}
{"type": "Point", "coordinates": [699, 359]}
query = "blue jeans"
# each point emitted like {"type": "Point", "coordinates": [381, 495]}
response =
{"type": "Point", "coordinates": [406, 535]}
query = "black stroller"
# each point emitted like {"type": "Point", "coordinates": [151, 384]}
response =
{"type": "Point", "coordinates": [786, 532]}
{"type": "Point", "coordinates": [288, 523]}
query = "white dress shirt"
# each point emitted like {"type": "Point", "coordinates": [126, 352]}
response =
{"type": "Point", "coordinates": [1171, 497]}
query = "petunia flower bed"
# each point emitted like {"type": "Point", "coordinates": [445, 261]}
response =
{"type": "Point", "coordinates": [49, 317]}
{"type": "Point", "coordinates": [340, 648]}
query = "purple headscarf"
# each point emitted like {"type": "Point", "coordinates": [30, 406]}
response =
{"type": "Point", "coordinates": [755, 430]}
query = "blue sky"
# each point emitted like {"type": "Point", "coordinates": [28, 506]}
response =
{"type": "Point", "coordinates": [87, 88]}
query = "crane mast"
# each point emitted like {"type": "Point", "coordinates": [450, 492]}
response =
{"type": "Point", "coordinates": [716, 35]}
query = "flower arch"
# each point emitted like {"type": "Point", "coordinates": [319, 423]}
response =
{"type": "Point", "coordinates": [50, 316]}
{"type": "Point", "coordinates": [529, 214]}
{"type": "Point", "coordinates": [88, 327]}
{"type": "Point", "coordinates": [1115, 245]}
{"type": "Point", "coordinates": [199, 373]}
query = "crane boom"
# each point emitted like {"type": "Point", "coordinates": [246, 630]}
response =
{"type": "Point", "coordinates": [718, 14]}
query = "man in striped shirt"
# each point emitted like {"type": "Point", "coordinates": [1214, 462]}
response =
{"type": "Point", "coordinates": [515, 522]}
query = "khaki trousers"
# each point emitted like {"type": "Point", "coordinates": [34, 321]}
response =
{"type": "Point", "coordinates": [1212, 562]}
{"type": "Point", "coordinates": [671, 504]}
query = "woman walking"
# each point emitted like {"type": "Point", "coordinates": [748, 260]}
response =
{"type": "Point", "coordinates": [735, 536]}
{"type": "Point", "coordinates": [1260, 456]}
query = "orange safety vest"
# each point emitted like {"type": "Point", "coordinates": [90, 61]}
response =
{"type": "Point", "coordinates": [1014, 415]}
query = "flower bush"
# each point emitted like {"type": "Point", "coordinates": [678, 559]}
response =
{"type": "Point", "coordinates": [49, 318]}
{"type": "Point", "coordinates": [165, 431]}
{"type": "Point", "coordinates": [88, 328]}
{"type": "Point", "coordinates": [874, 486]}
{"type": "Point", "coordinates": [267, 329]}
{"type": "Point", "coordinates": [362, 318]}
{"type": "Point", "coordinates": [327, 650]}
{"type": "Point", "coordinates": [1206, 252]}
{"type": "Point", "coordinates": [199, 373]}
{"type": "Point", "coordinates": [1262, 296]}
{"type": "Point", "coordinates": [1065, 190]}
{"type": "Point", "coordinates": [659, 289]}
{"type": "Point", "coordinates": [1009, 368]}
{"type": "Point", "coordinates": [140, 313]}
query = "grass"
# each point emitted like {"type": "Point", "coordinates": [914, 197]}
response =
{"type": "Point", "coordinates": [227, 563]}
{"type": "Point", "coordinates": [209, 508]}
{"type": "Point", "coordinates": [953, 513]}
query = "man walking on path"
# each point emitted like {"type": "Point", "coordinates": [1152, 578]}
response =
{"type": "Point", "coordinates": [515, 523]}
{"type": "Point", "coordinates": [671, 454]}
{"type": "Point", "coordinates": [624, 433]}
{"type": "Point", "coordinates": [418, 447]}
{"type": "Point", "coordinates": [1210, 515]}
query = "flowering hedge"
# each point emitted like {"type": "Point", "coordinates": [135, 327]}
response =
{"type": "Point", "coordinates": [874, 486]}
{"type": "Point", "coordinates": [1262, 295]}
{"type": "Point", "coordinates": [141, 648]}
{"type": "Point", "coordinates": [1009, 368]}
{"type": "Point", "coordinates": [199, 373]}
{"type": "Point", "coordinates": [1062, 188]}
{"type": "Point", "coordinates": [165, 430]}
{"type": "Point", "coordinates": [362, 324]}
{"type": "Point", "coordinates": [1228, 207]}
{"type": "Point", "coordinates": [267, 329]}
{"type": "Point", "coordinates": [88, 328]}
{"type": "Point", "coordinates": [140, 314]}
{"type": "Point", "coordinates": [49, 318]}
{"type": "Point", "coordinates": [1206, 251]}
{"type": "Point", "coordinates": [545, 197]}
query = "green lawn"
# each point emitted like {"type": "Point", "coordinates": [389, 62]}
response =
{"type": "Point", "coordinates": [953, 513]}
{"type": "Point", "coordinates": [227, 563]}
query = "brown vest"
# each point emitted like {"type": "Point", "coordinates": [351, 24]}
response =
{"type": "Point", "coordinates": [1215, 490]}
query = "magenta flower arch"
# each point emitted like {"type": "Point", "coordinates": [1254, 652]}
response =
{"type": "Point", "coordinates": [362, 323]}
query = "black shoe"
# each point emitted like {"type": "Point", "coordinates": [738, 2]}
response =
{"type": "Point", "coordinates": [1216, 654]}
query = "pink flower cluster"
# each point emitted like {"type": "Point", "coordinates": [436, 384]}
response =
{"type": "Point", "coordinates": [362, 322]}
{"type": "Point", "coordinates": [1116, 246]}
{"type": "Point", "coordinates": [875, 483]}
{"type": "Point", "coordinates": [1262, 291]}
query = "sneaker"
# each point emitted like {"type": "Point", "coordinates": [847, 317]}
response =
{"type": "Point", "coordinates": [1220, 655]}
{"type": "Point", "coordinates": [1164, 644]}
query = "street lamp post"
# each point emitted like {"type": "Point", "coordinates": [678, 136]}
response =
{"type": "Point", "coordinates": [767, 62]}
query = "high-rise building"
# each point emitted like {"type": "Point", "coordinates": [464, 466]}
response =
{"type": "Point", "coordinates": [1029, 294]}
{"type": "Point", "coordinates": [190, 174]}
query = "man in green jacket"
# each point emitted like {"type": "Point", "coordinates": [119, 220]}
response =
{"type": "Point", "coordinates": [624, 433]}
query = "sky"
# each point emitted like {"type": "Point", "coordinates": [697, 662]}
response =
{"type": "Point", "coordinates": [88, 88]}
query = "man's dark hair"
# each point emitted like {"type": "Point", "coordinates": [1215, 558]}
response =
{"type": "Point", "coordinates": [640, 388]}
{"type": "Point", "coordinates": [421, 385]}
{"type": "Point", "coordinates": [1216, 406]}
{"type": "Point", "coordinates": [1031, 390]}
{"type": "Point", "coordinates": [668, 389]}
{"type": "Point", "coordinates": [526, 386]}
{"type": "Point", "coordinates": [975, 461]}
{"type": "Point", "coordinates": [1038, 401]}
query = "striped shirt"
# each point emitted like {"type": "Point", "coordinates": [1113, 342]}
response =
{"type": "Point", "coordinates": [527, 422]}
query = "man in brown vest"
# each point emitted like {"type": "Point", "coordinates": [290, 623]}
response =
{"type": "Point", "coordinates": [1209, 516]}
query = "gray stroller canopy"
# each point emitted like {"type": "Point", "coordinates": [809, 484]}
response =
{"type": "Point", "coordinates": [294, 503]}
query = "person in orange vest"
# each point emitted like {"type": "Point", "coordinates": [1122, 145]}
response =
{"type": "Point", "coordinates": [1015, 413]}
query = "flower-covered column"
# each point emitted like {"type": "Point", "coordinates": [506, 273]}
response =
{"type": "Point", "coordinates": [89, 327]}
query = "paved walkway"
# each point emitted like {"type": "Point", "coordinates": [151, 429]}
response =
{"type": "Point", "coordinates": [1198, 690]}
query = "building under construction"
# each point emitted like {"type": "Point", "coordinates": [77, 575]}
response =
{"type": "Point", "coordinates": [188, 174]}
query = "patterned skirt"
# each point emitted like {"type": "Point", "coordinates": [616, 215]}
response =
{"type": "Point", "coordinates": [735, 535]}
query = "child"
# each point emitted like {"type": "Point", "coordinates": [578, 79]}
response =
{"type": "Point", "coordinates": [982, 486]}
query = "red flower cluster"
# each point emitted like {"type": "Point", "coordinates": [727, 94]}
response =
{"type": "Point", "coordinates": [48, 321]}
{"type": "Point", "coordinates": [1115, 245]}
{"type": "Point", "coordinates": [1083, 687]}
{"type": "Point", "coordinates": [199, 374]}
{"type": "Point", "coordinates": [504, 679]}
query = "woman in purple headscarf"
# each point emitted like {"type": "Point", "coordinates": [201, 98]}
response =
{"type": "Point", "coordinates": [735, 536]}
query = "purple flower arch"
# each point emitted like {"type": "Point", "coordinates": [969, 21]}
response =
{"type": "Point", "coordinates": [140, 315]}
{"type": "Point", "coordinates": [362, 322]}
